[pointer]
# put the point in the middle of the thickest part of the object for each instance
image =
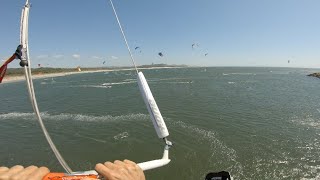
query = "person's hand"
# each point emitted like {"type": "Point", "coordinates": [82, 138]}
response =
{"type": "Point", "coordinates": [120, 170]}
{"type": "Point", "coordinates": [20, 173]}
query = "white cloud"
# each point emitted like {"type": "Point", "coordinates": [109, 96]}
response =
{"type": "Point", "coordinates": [42, 56]}
{"type": "Point", "coordinates": [58, 56]}
{"type": "Point", "coordinates": [97, 57]}
{"type": "Point", "coordinates": [76, 56]}
{"type": "Point", "coordinates": [114, 57]}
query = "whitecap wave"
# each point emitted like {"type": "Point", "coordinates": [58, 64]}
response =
{"type": "Point", "coordinates": [130, 80]}
{"type": "Point", "coordinates": [91, 138]}
{"type": "Point", "coordinates": [188, 82]}
{"type": "Point", "coordinates": [17, 115]}
{"type": "Point", "coordinates": [118, 83]}
{"type": "Point", "coordinates": [225, 74]}
{"type": "Point", "coordinates": [94, 86]}
{"type": "Point", "coordinates": [121, 136]}
{"type": "Point", "coordinates": [307, 122]}
{"type": "Point", "coordinates": [74, 117]}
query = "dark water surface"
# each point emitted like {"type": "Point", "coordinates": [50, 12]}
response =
{"type": "Point", "coordinates": [257, 123]}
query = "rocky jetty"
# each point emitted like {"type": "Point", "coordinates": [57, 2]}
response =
{"type": "Point", "coordinates": [315, 75]}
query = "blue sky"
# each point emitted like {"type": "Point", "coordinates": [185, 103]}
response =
{"type": "Point", "coordinates": [68, 33]}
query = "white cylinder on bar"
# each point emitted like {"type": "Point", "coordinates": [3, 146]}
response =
{"type": "Point", "coordinates": [153, 109]}
{"type": "Point", "coordinates": [153, 164]}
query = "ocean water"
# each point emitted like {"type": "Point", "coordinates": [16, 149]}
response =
{"type": "Point", "coordinates": [256, 123]}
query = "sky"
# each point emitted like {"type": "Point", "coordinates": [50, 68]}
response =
{"type": "Point", "coordinates": [70, 33]}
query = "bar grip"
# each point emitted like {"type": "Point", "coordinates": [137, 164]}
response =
{"type": "Point", "coordinates": [64, 176]}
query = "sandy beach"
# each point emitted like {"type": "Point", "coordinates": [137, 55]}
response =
{"type": "Point", "coordinates": [10, 79]}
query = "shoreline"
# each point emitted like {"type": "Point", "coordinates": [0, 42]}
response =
{"type": "Point", "coordinates": [11, 79]}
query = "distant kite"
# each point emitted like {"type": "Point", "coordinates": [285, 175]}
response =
{"type": "Point", "coordinates": [205, 54]}
{"type": "Point", "coordinates": [104, 62]}
{"type": "Point", "coordinates": [136, 48]}
{"type": "Point", "coordinates": [160, 54]}
{"type": "Point", "coordinates": [194, 45]}
{"type": "Point", "coordinates": [288, 61]}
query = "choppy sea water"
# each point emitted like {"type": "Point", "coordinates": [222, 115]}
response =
{"type": "Point", "coordinates": [256, 123]}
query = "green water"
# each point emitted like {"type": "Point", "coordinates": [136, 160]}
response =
{"type": "Point", "coordinates": [257, 123]}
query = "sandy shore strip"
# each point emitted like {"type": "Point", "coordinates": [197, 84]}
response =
{"type": "Point", "coordinates": [10, 79]}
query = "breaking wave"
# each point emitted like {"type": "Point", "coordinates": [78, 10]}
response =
{"type": "Point", "coordinates": [74, 117]}
{"type": "Point", "coordinates": [118, 83]}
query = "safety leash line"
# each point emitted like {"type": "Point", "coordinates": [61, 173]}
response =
{"type": "Point", "coordinates": [28, 76]}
